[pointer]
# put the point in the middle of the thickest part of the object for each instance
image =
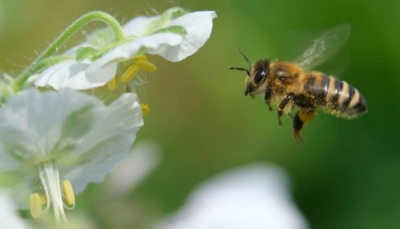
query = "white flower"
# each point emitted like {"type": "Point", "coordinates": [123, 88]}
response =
{"type": "Point", "coordinates": [173, 35]}
{"type": "Point", "coordinates": [53, 138]}
{"type": "Point", "coordinates": [142, 159]}
{"type": "Point", "coordinates": [72, 74]}
{"type": "Point", "coordinates": [198, 27]}
{"type": "Point", "coordinates": [8, 213]}
{"type": "Point", "coordinates": [255, 197]}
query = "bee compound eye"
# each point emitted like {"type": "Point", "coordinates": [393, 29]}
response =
{"type": "Point", "coordinates": [260, 76]}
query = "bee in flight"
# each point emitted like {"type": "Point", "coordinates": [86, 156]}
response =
{"type": "Point", "coordinates": [292, 84]}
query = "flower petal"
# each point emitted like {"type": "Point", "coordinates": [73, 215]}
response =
{"type": "Point", "coordinates": [31, 123]}
{"type": "Point", "coordinates": [144, 26]}
{"type": "Point", "coordinates": [133, 48]}
{"type": "Point", "coordinates": [255, 196]}
{"type": "Point", "coordinates": [198, 26]}
{"type": "Point", "coordinates": [83, 136]}
{"type": "Point", "coordinates": [106, 144]}
{"type": "Point", "coordinates": [9, 217]}
{"type": "Point", "coordinates": [138, 26]}
{"type": "Point", "coordinates": [142, 159]}
{"type": "Point", "coordinates": [72, 74]}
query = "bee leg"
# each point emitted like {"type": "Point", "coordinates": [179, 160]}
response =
{"type": "Point", "coordinates": [283, 104]}
{"type": "Point", "coordinates": [300, 118]}
{"type": "Point", "coordinates": [267, 97]}
{"type": "Point", "coordinates": [269, 105]}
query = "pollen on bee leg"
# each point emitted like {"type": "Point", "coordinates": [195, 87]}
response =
{"type": "Point", "coordinates": [144, 64]}
{"type": "Point", "coordinates": [35, 205]}
{"type": "Point", "coordinates": [112, 84]}
{"type": "Point", "coordinates": [145, 109]}
{"type": "Point", "coordinates": [130, 72]}
{"type": "Point", "coordinates": [68, 192]}
{"type": "Point", "coordinates": [306, 116]}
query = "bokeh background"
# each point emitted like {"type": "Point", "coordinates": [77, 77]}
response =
{"type": "Point", "coordinates": [346, 174]}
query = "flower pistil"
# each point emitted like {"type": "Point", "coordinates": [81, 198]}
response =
{"type": "Point", "coordinates": [50, 193]}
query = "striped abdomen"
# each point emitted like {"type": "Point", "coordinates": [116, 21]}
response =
{"type": "Point", "coordinates": [337, 97]}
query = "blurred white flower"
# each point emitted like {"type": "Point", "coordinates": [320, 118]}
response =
{"type": "Point", "coordinates": [49, 140]}
{"type": "Point", "coordinates": [8, 213]}
{"type": "Point", "coordinates": [174, 35]}
{"type": "Point", "coordinates": [254, 196]}
{"type": "Point", "coordinates": [144, 157]}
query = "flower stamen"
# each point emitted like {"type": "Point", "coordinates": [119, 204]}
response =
{"type": "Point", "coordinates": [145, 109]}
{"type": "Point", "coordinates": [35, 205]}
{"type": "Point", "coordinates": [144, 64]}
{"type": "Point", "coordinates": [68, 192]}
{"type": "Point", "coordinates": [131, 72]}
{"type": "Point", "coordinates": [113, 84]}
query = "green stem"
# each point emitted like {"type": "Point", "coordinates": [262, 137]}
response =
{"type": "Point", "coordinates": [64, 37]}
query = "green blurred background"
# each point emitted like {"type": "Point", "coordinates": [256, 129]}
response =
{"type": "Point", "coordinates": [346, 174]}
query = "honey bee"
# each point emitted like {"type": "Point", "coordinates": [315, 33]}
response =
{"type": "Point", "coordinates": [292, 85]}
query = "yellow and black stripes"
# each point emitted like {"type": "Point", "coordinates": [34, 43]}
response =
{"type": "Point", "coordinates": [337, 97]}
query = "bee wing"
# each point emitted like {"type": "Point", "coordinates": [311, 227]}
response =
{"type": "Point", "coordinates": [324, 47]}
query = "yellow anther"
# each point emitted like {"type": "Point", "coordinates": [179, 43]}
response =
{"type": "Point", "coordinates": [68, 192]}
{"type": "Point", "coordinates": [145, 109]}
{"type": "Point", "coordinates": [113, 84]}
{"type": "Point", "coordinates": [141, 57]}
{"type": "Point", "coordinates": [145, 65]}
{"type": "Point", "coordinates": [35, 205]}
{"type": "Point", "coordinates": [130, 73]}
{"type": "Point", "coordinates": [43, 198]}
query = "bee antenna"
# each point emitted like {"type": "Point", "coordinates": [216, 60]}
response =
{"type": "Point", "coordinates": [244, 56]}
{"type": "Point", "coordinates": [240, 69]}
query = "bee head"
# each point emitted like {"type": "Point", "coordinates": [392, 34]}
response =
{"type": "Point", "coordinates": [256, 75]}
{"type": "Point", "coordinates": [255, 82]}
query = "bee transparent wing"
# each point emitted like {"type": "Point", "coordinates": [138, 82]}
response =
{"type": "Point", "coordinates": [325, 47]}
